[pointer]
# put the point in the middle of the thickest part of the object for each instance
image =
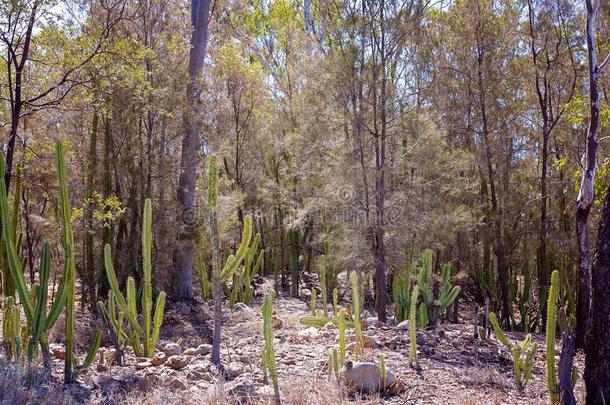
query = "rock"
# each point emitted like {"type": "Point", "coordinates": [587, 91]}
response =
{"type": "Point", "coordinates": [202, 316]}
{"type": "Point", "coordinates": [58, 351]}
{"type": "Point", "coordinates": [397, 388]}
{"type": "Point", "coordinates": [101, 368]}
{"type": "Point", "coordinates": [204, 349]}
{"type": "Point", "coordinates": [369, 342]}
{"type": "Point", "coordinates": [152, 376]}
{"type": "Point", "coordinates": [172, 349]}
{"type": "Point", "coordinates": [158, 359]}
{"type": "Point", "coordinates": [241, 307]}
{"type": "Point", "coordinates": [184, 308]}
{"type": "Point", "coordinates": [234, 369]}
{"type": "Point", "coordinates": [276, 323]}
{"type": "Point", "coordinates": [177, 383]}
{"type": "Point", "coordinates": [329, 326]}
{"type": "Point", "coordinates": [191, 351]}
{"type": "Point", "coordinates": [178, 362]}
{"type": "Point", "coordinates": [242, 390]}
{"type": "Point", "coordinates": [372, 321]}
{"type": "Point", "coordinates": [404, 325]}
{"type": "Point", "coordinates": [141, 365]}
{"type": "Point", "coordinates": [366, 377]}
{"type": "Point", "coordinates": [394, 342]}
{"type": "Point", "coordinates": [309, 333]}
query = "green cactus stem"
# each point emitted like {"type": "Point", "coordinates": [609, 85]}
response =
{"type": "Point", "coordinates": [413, 358]}
{"type": "Point", "coordinates": [551, 322]}
{"type": "Point", "coordinates": [267, 312]}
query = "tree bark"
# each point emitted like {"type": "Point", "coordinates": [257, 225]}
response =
{"type": "Point", "coordinates": [189, 160]}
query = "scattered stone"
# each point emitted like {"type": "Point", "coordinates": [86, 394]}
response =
{"type": "Point", "coordinates": [184, 308]}
{"type": "Point", "coordinates": [177, 383]}
{"type": "Point", "coordinates": [242, 390]}
{"type": "Point", "coordinates": [58, 351]}
{"type": "Point", "coordinates": [141, 365]}
{"type": "Point", "coordinates": [101, 368]}
{"type": "Point", "coordinates": [241, 307]}
{"type": "Point", "coordinates": [329, 326]}
{"type": "Point", "coordinates": [404, 325]}
{"type": "Point", "coordinates": [309, 333]}
{"type": "Point", "coordinates": [191, 351]}
{"type": "Point", "coordinates": [234, 369]}
{"type": "Point", "coordinates": [204, 349]}
{"type": "Point", "coordinates": [178, 362]}
{"type": "Point", "coordinates": [276, 323]}
{"type": "Point", "coordinates": [172, 349]}
{"type": "Point", "coordinates": [366, 377]}
{"type": "Point", "coordinates": [158, 359]}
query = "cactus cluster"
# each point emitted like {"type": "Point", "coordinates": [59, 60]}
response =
{"type": "Point", "coordinates": [113, 319]}
{"type": "Point", "coordinates": [11, 329]}
{"type": "Point", "coordinates": [431, 306]}
{"type": "Point", "coordinates": [141, 337]}
{"type": "Point", "coordinates": [523, 353]}
{"type": "Point", "coordinates": [34, 301]}
{"type": "Point", "coordinates": [242, 288]}
{"type": "Point", "coordinates": [268, 353]}
{"type": "Point", "coordinates": [401, 291]}
{"type": "Point", "coordinates": [204, 281]}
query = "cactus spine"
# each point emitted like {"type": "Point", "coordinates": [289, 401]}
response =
{"type": "Point", "coordinates": [269, 353]}
{"type": "Point", "coordinates": [149, 331]}
{"type": "Point", "coordinates": [551, 375]}
{"type": "Point", "coordinates": [357, 325]}
{"type": "Point", "coordinates": [413, 328]}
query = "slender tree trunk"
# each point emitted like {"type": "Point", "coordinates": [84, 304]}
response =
{"type": "Point", "coordinates": [543, 267]}
{"type": "Point", "coordinates": [189, 161]}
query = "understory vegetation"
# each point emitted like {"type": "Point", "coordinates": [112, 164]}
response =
{"type": "Point", "coordinates": [282, 201]}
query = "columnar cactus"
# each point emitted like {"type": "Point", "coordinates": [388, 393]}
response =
{"type": "Point", "coordinates": [269, 353]}
{"type": "Point", "coordinates": [33, 301]}
{"type": "Point", "coordinates": [335, 301]}
{"type": "Point", "coordinates": [523, 353]}
{"type": "Point", "coordinates": [357, 325]}
{"type": "Point", "coordinates": [143, 338]}
{"type": "Point", "coordinates": [323, 286]}
{"type": "Point", "coordinates": [71, 368]}
{"type": "Point", "coordinates": [11, 329]}
{"type": "Point", "coordinates": [113, 320]}
{"type": "Point", "coordinates": [242, 289]}
{"type": "Point", "coordinates": [413, 329]}
{"type": "Point", "coordinates": [341, 326]}
{"type": "Point", "coordinates": [551, 318]}
{"type": "Point", "coordinates": [313, 302]}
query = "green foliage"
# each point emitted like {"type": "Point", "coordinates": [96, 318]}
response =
{"type": "Point", "coordinates": [431, 305]}
{"type": "Point", "coordinates": [413, 358]}
{"type": "Point", "coordinates": [268, 352]}
{"type": "Point", "coordinates": [143, 338]}
{"type": "Point", "coordinates": [313, 302]}
{"type": "Point", "coordinates": [401, 291]}
{"type": "Point", "coordinates": [113, 320]}
{"type": "Point", "coordinates": [71, 367]}
{"type": "Point", "coordinates": [320, 321]}
{"type": "Point", "coordinates": [551, 324]}
{"type": "Point", "coordinates": [323, 286]}
{"type": "Point", "coordinates": [523, 353]}
{"type": "Point", "coordinates": [357, 325]}
{"type": "Point", "coordinates": [204, 281]}
{"type": "Point", "coordinates": [242, 289]}
{"type": "Point", "coordinates": [11, 329]}
{"type": "Point", "coordinates": [8, 286]}
{"type": "Point", "coordinates": [234, 261]}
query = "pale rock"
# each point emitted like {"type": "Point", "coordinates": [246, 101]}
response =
{"type": "Point", "coordinates": [404, 325]}
{"type": "Point", "coordinates": [158, 359]}
{"type": "Point", "coordinates": [191, 351]}
{"type": "Point", "coordinates": [234, 369]}
{"type": "Point", "coordinates": [366, 377]}
{"type": "Point", "coordinates": [141, 365]}
{"type": "Point", "coordinates": [178, 362]}
{"type": "Point", "coordinates": [172, 349]}
{"type": "Point", "coordinates": [204, 349]}
{"type": "Point", "coordinates": [242, 390]}
{"type": "Point", "coordinates": [177, 383]}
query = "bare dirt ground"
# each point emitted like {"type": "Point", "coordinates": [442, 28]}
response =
{"type": "Point", "coordinates": [456, 368]}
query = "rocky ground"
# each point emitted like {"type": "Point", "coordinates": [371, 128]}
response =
{"type": "Point", "coordinates": [455, 368]}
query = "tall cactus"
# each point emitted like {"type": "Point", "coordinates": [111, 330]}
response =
{"type": "Point", "coordinates": [11, 329]}
{"type": "Point", "coordinates": [269, 353]}
{"type": "Point", "coordinates": [323, 287]}
{"type": "Point", "coordinates": [34, 300]}
{"type": "Point", "coordinates": [144, 337]}
{"type": "Point", "coordinates": [413, 329]}
{"type": "Point", "coordinates": [551, 319]}
{"type": "Point", "coordinates": [71, 367]}
{"type": "Point", "coordinates": [341, 326]}
{"type": "Point", "coordinates": [242, 289]}
{"type": "Point", "coordinates": [113, 321]}
{"type": "Point", "coordinates": [358, 326]}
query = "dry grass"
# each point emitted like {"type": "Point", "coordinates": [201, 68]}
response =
{"type": "Point", "coordinates": [14, 389]}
